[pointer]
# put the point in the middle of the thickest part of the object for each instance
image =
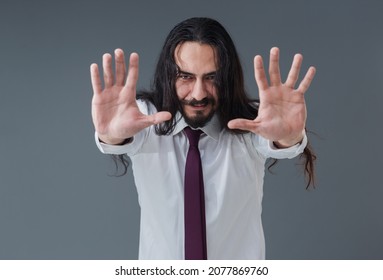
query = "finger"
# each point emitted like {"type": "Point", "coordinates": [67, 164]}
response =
{"type": "Point", "coordinates": [244, 124]}
{"type": "Point", "coordinates": [120, 67]}
{"type": "Point", "coordinates": [274, 72]}
{"type": "Point", "coordinates": [259, 72]}
{"type": "Point", "coordinates": [131, 81]}
{"type": "Point", "coordinates": [293, 76]}
{"type": "Point", "coordinates": [159, 117]}
{"type": "Point", "coordinates": [306, 82]}
{"type": "Point", "coordinates": [108, 72]}
{"type": "Point", "coordinates": [95, 79]}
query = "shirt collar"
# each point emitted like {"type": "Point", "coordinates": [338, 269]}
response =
{"type": "Point", "coordinates": [211, 129]}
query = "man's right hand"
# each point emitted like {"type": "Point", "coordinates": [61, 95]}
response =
{"type": "Point", "coordinates": [116, 116]}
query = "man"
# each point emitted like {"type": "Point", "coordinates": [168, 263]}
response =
{"type": "Point", "coordinates": [199, 84]}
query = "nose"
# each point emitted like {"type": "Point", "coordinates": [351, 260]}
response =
{"type": "Point", "coordinates": [199, 91]}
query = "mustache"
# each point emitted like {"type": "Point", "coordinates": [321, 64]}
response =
{"type": "Point", "coordinates": [193, 102]}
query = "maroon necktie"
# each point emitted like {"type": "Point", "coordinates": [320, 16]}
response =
{"type": "Point", "coordinates": [195, 224]}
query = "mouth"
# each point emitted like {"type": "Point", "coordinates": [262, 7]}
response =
{"type": "Point", "coordinates": [198, 113]}
{"type": "Point", "coordinates": [198, 104]}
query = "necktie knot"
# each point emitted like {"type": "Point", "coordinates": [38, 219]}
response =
{"type": "Point", "coordinates": [193, 136]}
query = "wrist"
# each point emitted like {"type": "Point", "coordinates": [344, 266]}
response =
{"type": "Point", "coordinates": [287, 143]}
{"type": "Point", "coordinates": [114, 141]}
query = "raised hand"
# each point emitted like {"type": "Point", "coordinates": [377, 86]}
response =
{"type": "Point", "coordinates": [282, 111]}
{"type": "Point", "coordinates": [115, 113]}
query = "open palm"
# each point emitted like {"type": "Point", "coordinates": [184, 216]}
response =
{"type": "Point", "coordinates": [282, 111]}
{"type": "Point", "coordinates": [115, 113]}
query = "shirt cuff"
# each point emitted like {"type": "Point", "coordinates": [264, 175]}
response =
{"type": "Point", "coordinates": [289, 152]}
{"type": "Point", "coordinates": [127, 148]}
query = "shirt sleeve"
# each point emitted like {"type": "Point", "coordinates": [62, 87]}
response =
{"type": "Point", "coordinates": [130, 148]}
{"type": "Point", "coordinates": [268, 149]}
{"type": "Point", "coordinates": [133, 146]}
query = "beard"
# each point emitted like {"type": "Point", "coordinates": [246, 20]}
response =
{"type": "Point", "coordinates": [199, 119]}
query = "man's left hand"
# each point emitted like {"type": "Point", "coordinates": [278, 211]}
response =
{"type": "Point", "coordinates": [282, 110]}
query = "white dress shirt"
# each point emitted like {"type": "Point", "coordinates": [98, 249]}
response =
{"type": "Point", "coordinates": [233, 170]}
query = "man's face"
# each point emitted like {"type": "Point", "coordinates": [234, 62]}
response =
{"type": "Point", "coordinates": [195, 84]}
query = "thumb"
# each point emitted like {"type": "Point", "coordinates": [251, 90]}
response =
{"type": "Point", "coordinates": [244, 124]}
{"type": "Point", "coordinates": [160, 117]}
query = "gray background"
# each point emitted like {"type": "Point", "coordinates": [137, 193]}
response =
{"type": "Point", "coordinates": [57, 200]}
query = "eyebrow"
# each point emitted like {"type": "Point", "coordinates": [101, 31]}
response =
{"type": "Point", "coordinates": [179, 71]}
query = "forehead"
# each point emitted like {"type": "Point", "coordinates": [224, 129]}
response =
{"type": "Point", "coordinates": [195, 57]}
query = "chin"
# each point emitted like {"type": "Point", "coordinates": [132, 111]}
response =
{"type": "Point", "coordinates": [198, 119]}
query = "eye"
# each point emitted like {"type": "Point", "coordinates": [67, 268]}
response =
{"type": "Point", "coordinates": [210, 77]}
{"type": "Point", "coordinates": [185, 77]}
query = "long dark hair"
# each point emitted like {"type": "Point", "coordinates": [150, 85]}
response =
{"type": "Point", "coordinates": [233, 100]}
